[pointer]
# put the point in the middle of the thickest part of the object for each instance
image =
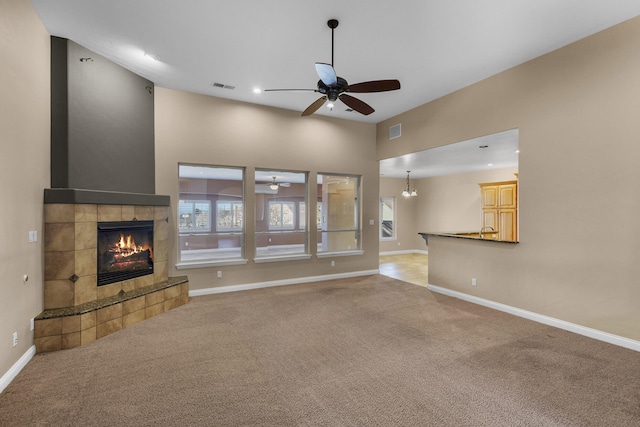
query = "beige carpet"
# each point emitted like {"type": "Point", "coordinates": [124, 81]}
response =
{"type": "Point", "coordinates": [368, 351]}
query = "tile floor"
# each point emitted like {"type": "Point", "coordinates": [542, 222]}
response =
{"type": "Point", "coordinates": [412, 268]}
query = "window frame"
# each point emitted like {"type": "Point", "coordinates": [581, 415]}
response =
{"type": "Point", "coordinates": [288, 242]}
{"type": "Point", "coordinates": [394, 222]}
{"type": "Point", "coordinates": [193, 204]}
{"type": "Point", "coordinates": [357, 217]}
{"type": "Point", "coordinates": [217, 246]}
{"type": "Point", "coordinates": [232, 228]}
{"type": "Point", "coordinates": [282, 226]}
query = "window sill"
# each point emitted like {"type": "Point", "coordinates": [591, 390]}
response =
{"type": "Point", "coordinates": [335, 254]}
{"type": "Point", "coordinates": [280, 258]}
{"type": "Point", "coordinates": [204, 264]}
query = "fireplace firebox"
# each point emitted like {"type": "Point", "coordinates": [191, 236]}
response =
{"type": "Point", "coordinates": [125, 250]}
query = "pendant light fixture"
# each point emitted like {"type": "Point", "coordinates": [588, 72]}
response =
{"type": "Point", "coordinates": [407, 192]}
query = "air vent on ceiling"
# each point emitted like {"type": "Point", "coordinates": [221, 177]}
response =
{"type": "Point", "coordinates": [395, 131]}
{"type": "Point", "coordinates": [221, 85]}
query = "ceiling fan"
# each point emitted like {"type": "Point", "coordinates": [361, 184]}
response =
{"type": "Point", "coordinates": [333, 87]}
{"type": "Point", "coordinates": [274, 185]}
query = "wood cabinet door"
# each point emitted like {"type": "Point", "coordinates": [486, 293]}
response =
{"type": "Point", "coordinates": [508, 197]}
{"type": "Point", "coordinates": [508, 225]}
{"type": "Point", "coordinates": [490, 197]}
{"type": "Point", "coordinates": [490, 219]}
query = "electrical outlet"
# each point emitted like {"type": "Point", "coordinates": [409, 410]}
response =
{"type": "Point", "coordinates": [333, 263]}
{"type": "Point", "coordinates": [474, 282]}
{"type": "Point", "coordinates": [15, 339]}
{"type": "Point", "coordinates": [219, 274]}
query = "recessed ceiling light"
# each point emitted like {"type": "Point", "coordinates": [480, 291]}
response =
{"type": "Point", "coordinates": [490, 164]}
{"type": "Point", "coordinates": [257, 90]}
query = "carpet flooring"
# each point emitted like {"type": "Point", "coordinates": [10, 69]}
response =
{"type": "Point", "coordinates": [366, 351]}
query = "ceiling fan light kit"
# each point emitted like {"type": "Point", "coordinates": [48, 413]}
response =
{"type": "Point", "coordinates": [333, 87]}
{"type": "Point", "coordinates": [275, 185]}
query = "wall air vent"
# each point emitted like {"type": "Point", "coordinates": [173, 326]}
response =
{"type": "Point", "coordinates": [223, 86]}
{"type": "Point", "coordinates": [395, 131]}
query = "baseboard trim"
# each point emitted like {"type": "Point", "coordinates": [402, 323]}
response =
{"type": "Point", "coordinates": [540, 318]}
{"type": "Point", "coordinates": [410, 251]}
{"type": "Point", "coordinates": [259, 285]}
{"type": "Point", "coordinates": [16, 368]}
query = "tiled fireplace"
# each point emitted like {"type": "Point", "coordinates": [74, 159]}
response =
{"type": "Point", "coordinates": [77, 308]}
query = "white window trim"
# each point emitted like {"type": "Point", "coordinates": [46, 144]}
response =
{"type": "Point", "coordinates": [232, 228]}
{"type": "Point", "coordinates": [395, 223]}
{"type": "Point", "coordinates": [204, 264]}
{"type": "Point", "coordinates": [279, 258]}
{"type": "Point", "coordinates": [341, 253]}
{"type": "Point", "coordinates": [193, 206]}
{"type": "Point", "coordinates": [283, 227]}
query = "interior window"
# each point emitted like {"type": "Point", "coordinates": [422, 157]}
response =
{"type": "Point", "coordinates": [340, 213]}
{"type": "Point", "coordinates": [210, 213]}
{"type": "Point", "coordinates": [281, 222]}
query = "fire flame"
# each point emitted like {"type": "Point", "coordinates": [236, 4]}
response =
{"type": "Point", "coordinates": [126, 247]}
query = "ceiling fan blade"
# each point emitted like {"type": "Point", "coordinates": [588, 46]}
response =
{"type": "Point", "coordinates": [313, 107]}
{"type": "Point", "coordinates": [327, 74]}
{"type": "Point", "coordinates": [285, 184]}
{"type": "Point", "coordinates": [374, 86]}
{"type": "Point", "coordinates": [360, 106]}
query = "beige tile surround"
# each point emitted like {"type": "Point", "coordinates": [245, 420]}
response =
{"type": "Point", "coordinates": [77, 311]}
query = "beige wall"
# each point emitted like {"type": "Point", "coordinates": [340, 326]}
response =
{"type": "Point", "coordinates": [201, 129]}
{"type": "Point", "coordinates": [405, 211]}
{"type": "Point", "coordinates": [24, 171]}
{"type": "Point", "coordinates": [452, 203]}
{"type": "Point", "coordinates": [577, 114]}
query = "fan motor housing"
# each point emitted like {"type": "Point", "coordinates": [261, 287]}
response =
{"type": "Point", "coordinates": [333, 92]}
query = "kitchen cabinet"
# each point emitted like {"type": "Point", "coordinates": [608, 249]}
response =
{"type": "Point", "coordinates": [500, 209]}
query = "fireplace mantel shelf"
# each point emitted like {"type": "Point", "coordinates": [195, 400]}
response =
{"type": "Point", "coordinates": [53, 313]}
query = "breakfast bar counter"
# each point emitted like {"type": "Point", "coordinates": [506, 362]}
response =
{"type": "Point", "coordinates": [489, 236]}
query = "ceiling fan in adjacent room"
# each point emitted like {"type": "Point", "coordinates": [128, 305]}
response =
{"type": "Point", "coordinates": [274, 185]}
{"type": "Point", "coordinates": [333, 87]}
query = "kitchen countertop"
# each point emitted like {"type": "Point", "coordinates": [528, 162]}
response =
{"type": "Point", "coordinates": [469, 235]}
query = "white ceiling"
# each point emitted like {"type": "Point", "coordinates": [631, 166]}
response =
{"type": "Point", "coordinates": [433, 47]}
{"type": "Point", "coordinates": [499, 150]}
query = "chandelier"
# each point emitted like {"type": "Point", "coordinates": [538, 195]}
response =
{"type": "Point", "coordinates": [407, 192]}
